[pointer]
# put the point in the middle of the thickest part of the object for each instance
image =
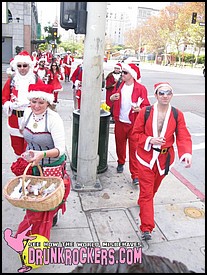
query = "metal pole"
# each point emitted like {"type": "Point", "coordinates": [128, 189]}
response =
{"type": "Point", "coordinates": [94, 46]}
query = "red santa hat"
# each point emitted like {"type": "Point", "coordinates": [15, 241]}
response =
{"type": "Point", "coordinates": [133, 70]}
{"type": "Point", "coordinates": [42, 59]}
{"type": "Point", "coordinates": [41, 90]}
{"type": "Point", "coordinates": [22, 57]}
{"type": "Point", "coordinates": [118, 65]}
{"type": "Point", "coordinates": [11, 62]}
{"type": "Point", "coordinates": [162, 84]}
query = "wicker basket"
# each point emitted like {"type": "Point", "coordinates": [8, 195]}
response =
{"type": "Point", "coordinates": [46, 203]}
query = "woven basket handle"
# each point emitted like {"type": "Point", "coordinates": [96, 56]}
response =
{"type": "Point", "coordinates": [25, 173]}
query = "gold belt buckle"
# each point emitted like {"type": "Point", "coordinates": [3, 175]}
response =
{"type": "Point", "coordinates": [17, 113]}
{"type": "Point", "coordinates": [164, 150]}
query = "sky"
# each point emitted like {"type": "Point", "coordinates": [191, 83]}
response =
{"type": "Point", "coordinates": [47, 12]}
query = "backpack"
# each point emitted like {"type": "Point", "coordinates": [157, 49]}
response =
{"type": "Point", "coordinates": [174, 110]}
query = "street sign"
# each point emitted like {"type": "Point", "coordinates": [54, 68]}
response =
{"type": "Point", "coordinates": [201, 23]}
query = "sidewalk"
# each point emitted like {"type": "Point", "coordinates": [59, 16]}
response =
{"type": "Point", "coordinates": [112, 214]}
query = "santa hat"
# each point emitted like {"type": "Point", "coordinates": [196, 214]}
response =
{"type": "Point", "coordinates": [41, 90]}
{"type": "Point", "coordinates": [11, 62]}
{"type": "Point", "coordinates": [118, 65]}
{"type": "Point", "coordinates": [162, 84]}
{"type": "Point", "coordinates": [22, 57]}
{"type": "Point", "coordinates": [133, 70]}
{"type": "Point", "coordinates": [42, 59]}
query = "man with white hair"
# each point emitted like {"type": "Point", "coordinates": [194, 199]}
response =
{"type": "Point", "coordinates": [14, 97]}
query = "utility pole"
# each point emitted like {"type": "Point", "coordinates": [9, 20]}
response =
{"type": "Point", "coordinates": [94, 45]}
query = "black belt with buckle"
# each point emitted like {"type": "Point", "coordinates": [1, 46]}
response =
{"type": "Point", "coordinates": [162, 151]}
{"type": "Point", "coordinates": [18, 113]}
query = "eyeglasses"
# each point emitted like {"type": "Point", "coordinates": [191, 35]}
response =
{"type": "Point", "coordinates": [22, 66]}
{"type": "Point", "coordinates": [168, 92]}
{"type": "Point", "coordinates": [124, 72]}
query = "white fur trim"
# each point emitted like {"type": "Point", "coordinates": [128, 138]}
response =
{"type": "Point", "coordinates": [40, 94]}
{"type": "Point", "coordinates": [163, 85]}
{"type": "Point", "coordinates": [22, 59]}
{"type": "Point", "coordinates": [130, 70]}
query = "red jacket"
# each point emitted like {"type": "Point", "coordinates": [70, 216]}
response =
{"type": "Point", "coordinates": [145, 154]}
{"type": "Point", "coordinates": [138, 91]}
{"type": "Point", "coordinates": [77, 74]}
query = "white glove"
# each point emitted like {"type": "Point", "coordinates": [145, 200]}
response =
{"type": "Point", "coordinates": [8, 108]}
{"type": "Point", "coordinates": [77, 83]}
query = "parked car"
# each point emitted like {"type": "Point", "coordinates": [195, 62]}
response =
{"type": "Point", "coordinates": [131, 59]}
{"type": "Point", "coordinates": [204, 71]}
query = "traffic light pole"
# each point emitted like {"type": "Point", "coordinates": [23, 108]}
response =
{"type": "Point", "coordinates": [94, 44]}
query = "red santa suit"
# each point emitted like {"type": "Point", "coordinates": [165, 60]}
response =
{"type": "Point", "coordinates": [76, 78]}
{"type": "Point", "coordinates": [77, 74]}
{"type": "Point", "coordinates": [35, 59]}
{"type": "Point", "coordinates": [54, 80]}
{"type": "Point", "coordinates": [123, 126]}
{"type": "Point", "coordinates": [67, 63]}
{"type": "Point", "coordinates": [151, 162]}
{"type": "Point", "coordinates": [14, 100]}
{"type": "Point", "coordinates": [111, 81]}
{"type": "Point", "coordinates": [48, 56]}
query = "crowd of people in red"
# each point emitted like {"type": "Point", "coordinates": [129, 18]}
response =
{"type": "Point", "coordinates": [50, 69]}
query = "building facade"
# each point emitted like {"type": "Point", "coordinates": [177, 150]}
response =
{"type": "Point", "coordinates": [19, 29]}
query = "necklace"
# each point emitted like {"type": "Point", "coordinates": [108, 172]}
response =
{"type": "Point", "coordinates": [35, 124]}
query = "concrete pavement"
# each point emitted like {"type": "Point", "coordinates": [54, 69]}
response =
{"type": "Point", "coordinates": [112, 214]}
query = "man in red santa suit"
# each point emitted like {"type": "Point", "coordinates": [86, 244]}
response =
{"type": "Point", "coordinates": [113, 79]}
{"type": "Point", "coordinates": [129, 99]}
{"type": "Point", "coordinates": [67, 63]}
{"type": "Point", "coordinates": [35, 59]}
{"type": "Point", "coordinates": [42, 70]}
{"type": "Point", "coordinates": [14, 98]}
{"type": "Point", "coordinates": [155, 151]}
{"type": "Point", "coordinates": [76, 78]}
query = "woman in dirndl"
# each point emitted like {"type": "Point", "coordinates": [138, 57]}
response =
{"type": "Point", "coordinates": [43, 130]}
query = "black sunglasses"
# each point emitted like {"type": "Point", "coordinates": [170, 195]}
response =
{"type": "Point", "coordinates": [124, 72]}
{"type": "Point", "coordinates": [24, 66]}
{"type": "Point", "coordinates": [161, 92]}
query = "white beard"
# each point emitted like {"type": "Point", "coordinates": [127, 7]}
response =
{"type": "Point", "coordinates": [22, 84]}
{"type": "Point", "coordinates": [116, 76]}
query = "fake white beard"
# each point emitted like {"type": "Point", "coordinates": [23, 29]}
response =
{"type": "Point", "coordinates": [116, 76]}
{"type": "Point", "coordinates": [22, 84]}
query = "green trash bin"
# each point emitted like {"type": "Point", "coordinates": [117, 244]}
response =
{"type": "Point", "coordinates": [102, 143]}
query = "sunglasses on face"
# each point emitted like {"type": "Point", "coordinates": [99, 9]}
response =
{"type": "Point", "coordinates": [168, 92]}
{"type": "Point", "coordinates": [22, 66]}
{"type": "Point", "coordinates": [124, 72]}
